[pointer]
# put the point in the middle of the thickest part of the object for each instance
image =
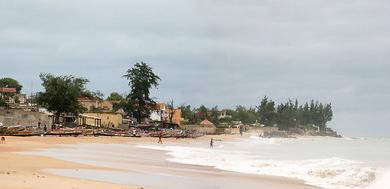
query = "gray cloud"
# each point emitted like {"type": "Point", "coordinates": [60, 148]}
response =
{"type": "Point", "coordinates": [213, 52]}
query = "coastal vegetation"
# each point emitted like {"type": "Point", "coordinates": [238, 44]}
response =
{"type": "Point", "coordinates": [312, 115]}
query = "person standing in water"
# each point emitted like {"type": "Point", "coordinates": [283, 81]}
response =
{"type": "Point", "coordinates": [212, 143]}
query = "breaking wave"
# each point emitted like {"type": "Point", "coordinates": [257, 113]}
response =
{"type": "Point", "coordinates": [331, 173]}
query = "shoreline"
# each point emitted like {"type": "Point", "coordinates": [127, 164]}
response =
{"type": "Point", "coordinates": [28, 171]}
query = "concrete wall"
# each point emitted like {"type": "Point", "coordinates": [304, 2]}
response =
{"type": "Point", "coordinates": [25, 118]}
{"type": "Point", "coordinates": [201, 129]}
{"type": "Point", "coordinates": [232, 130]}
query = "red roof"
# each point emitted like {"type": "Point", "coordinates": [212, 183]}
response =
{"type": "Point", "coordinates": [7, 90]}
{"type": "Point", "coordinates": [206, 123]}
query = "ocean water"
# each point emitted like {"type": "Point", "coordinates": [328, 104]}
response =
{"type": "Point", "coordinates": [331, 163]}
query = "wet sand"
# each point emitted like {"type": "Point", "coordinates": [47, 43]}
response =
{"type": "Point", "coordinates": [146, 168]}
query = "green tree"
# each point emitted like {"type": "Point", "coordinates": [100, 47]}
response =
{"type": "Point", "coordinates": [202, 112]}
{"type": "Point", "coordinates": [3, 103]}
{"type": "Point", "coordinates": [10, 83]}
{"type": "Point", "coordinates": [214, 115]}
{"type": "Point", "coordinates": [189, 114]}
{"type": "Point", "coordinates": [266, 112]}
{"type": "Point", "coordinates": [246, 116]}
{"type": "Point", "coordinates": [114, 96]}
{"type": "Point", "coordinates": [61, 93]}
{"type": "Point", "coordinates": [141, 80]}
{"type": "Point", "coordinates": [96, 95]}
{"type": "Point", "coordinates": [286, 116]}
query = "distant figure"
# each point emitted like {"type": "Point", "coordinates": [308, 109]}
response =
{"type": "Point", "coordinates": [261, 135]}
{"type": "Point", "coordinates": [241, 130]}
{"type": "Point", "coordinates": [2, 140]}
{"type": "Point", "coordinates": [211, 143]}
{"type": "Point", "coordinates": [45, 128]}
{"type": "Point", "coordinates": [39, 124]}
{"type": "Point", "coordinates": [134, 132]}
{"type": "Point", "coordinates": [160, 138]}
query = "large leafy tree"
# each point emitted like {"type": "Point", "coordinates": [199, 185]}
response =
{"type": "Point", "coordinates": [114, 96]}
{"type": "Point", "coordinates": [61, 93]}
{"type": "Point", "coordinates": [214, 115]}
{"type": "Point", "coordinates": [3, 103]}
{"type": "Point", "coordinates": [10, 83]}
{"type": "Point", "coordinates": [202, 112]}
{"type": "Point", "coordinates": [118, 101]}
{"type": "Point", "coordinates": [189, 114]}
{"type": "Point", "coordinates": [245, 115]}
{"type": "Point", "coordinates": [96, 95]}
{"type": "Point", "coordinates": [141, 80]}
{"type": "Point", "coordinates": [286, 115]}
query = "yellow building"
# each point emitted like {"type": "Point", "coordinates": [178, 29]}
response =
{"type": "Point", "coordinates": [108, 119]}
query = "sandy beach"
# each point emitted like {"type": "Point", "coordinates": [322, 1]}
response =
{"type": "Point", "coordinates": [20, 171]}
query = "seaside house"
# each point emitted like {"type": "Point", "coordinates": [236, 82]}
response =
{"type": "Point", "coordinates": [207, 123]}
{"type": "Point", "coordinates": [221, 114]}
{"type": "Point", "coordinates": [15, 100]}
{"type": "Point", "coordinates": [8, 95]}
{"type": "Point", "coordinates": [159, 113]}
{"type": "Point", "coordinates": [162, 112]}
{"type": "Point", "coordinates": [100, 113]}
{"type": "Point", "coordinates": [205, 127]}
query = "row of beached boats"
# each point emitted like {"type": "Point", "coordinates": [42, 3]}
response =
{"type": "Point", "coordinates": [97, 131]}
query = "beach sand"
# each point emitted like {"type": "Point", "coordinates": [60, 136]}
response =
{"type": "Point", "coordinates": [21, 171]}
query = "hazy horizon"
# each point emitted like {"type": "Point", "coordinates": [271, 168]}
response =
{"type": "Point", "coordinates": [223, 53]}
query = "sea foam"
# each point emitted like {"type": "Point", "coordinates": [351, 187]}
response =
{"type": "Point", "coordinates": [331, 173]}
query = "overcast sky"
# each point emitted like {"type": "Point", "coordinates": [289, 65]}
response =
{"type": "Point", "coordinates": [213, 52]}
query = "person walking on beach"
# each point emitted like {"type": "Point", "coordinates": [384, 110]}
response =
{"type": "Point", "coordinates": [211, 143]}
{"type": "Point", "coordinates": [241, 130]}
{"type": "Point", "coordinates": [2, 140]}
{"type": "Point", "coordinates": [160, 138]}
